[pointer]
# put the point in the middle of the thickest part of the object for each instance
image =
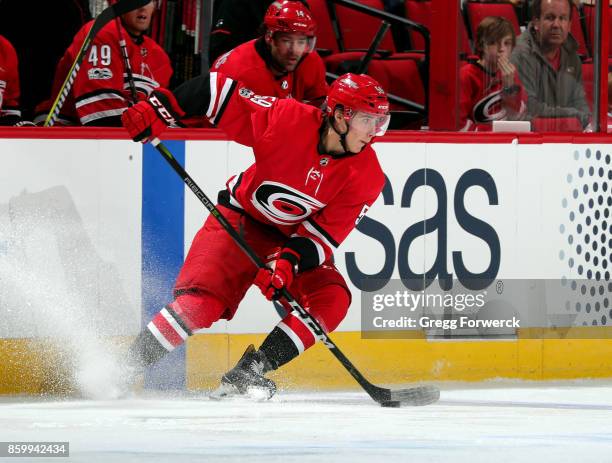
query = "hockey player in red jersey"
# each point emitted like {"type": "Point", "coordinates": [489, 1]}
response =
{"type": "Point", "coordinates": [101, 91]}
{"type": "Point", "coordinates": [283, 62]}
{"type": "Point", "coordinates": [315, 175]}
{"type": "Point", "coordinates": [490, 88]}
{"type": "Point", "coordinates": [10, 113]}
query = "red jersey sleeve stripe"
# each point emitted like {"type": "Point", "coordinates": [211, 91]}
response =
{"type": "Point", "coordinates": [317, 231]}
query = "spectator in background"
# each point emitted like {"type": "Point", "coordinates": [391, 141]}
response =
{"type": "Point", "coordinates": [101, 91]}
{"type": "Point", "coordinates": [490, 87]}
{"type": "Point", "coordinates": [40, 31]}
{"type": "Point", "coordinates": [282, 62]}
{"type": "Point", "coordinates": [10, 113]}
{"type": "Point", "coordinates": [550, 69]}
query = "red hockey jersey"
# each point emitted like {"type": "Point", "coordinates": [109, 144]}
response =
{"type": "Point", "coordinates": [293, 185]}
{"type": "Point", "coordinates": [9, 84]}
{"type": "Point", "coordinates": [481, 99]}
{"type": "Point", "coordinates": [249, 64]}
{"type": "Point", "coordinates": [101, 91]}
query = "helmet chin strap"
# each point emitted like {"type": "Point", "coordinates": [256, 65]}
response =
{"type": "Point", "coordinates": [342, 137]}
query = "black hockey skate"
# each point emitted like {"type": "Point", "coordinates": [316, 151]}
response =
{"type": "Point", "coordinates": [247, 379]}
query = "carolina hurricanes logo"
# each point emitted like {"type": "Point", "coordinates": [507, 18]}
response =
{"type": "Point", "coordinates": [282, 204]}
{"type": "Point", "coordinates": [489, 108]}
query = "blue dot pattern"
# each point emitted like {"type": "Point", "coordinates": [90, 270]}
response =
{"type": "Point", "coordinates": [588, 234]}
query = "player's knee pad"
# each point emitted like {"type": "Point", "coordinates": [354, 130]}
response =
{"type": "Point", "coordinates": [186, 314]}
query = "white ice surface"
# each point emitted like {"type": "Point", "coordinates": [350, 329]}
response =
{"type": "Point", "coordinates": [486, 424]}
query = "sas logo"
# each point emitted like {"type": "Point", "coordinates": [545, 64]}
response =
{"type": "Point", "coordinates": [100, 74]}
{"type": "Point", "coordinates": [396, 250]}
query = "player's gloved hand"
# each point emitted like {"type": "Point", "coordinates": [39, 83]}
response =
{"type": "Point", "coordinates": [148, 119]}
{"type": "Point", "coordinates": [271, 282]}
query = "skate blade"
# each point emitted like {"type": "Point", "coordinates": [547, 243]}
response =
{"type": "Point", "coordinates": [224, 391]}
{"type": "Point", "coordinates": [230, 392]}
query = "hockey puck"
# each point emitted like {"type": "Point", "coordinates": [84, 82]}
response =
{"type": "Point", "coordinates": [391, 404]}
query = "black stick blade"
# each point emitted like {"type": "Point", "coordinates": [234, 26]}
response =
{"type": "Point", "coordinates": [415, 396]}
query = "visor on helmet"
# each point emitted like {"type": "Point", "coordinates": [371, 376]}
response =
{"type": "Point", "coordinates": [369, 122]}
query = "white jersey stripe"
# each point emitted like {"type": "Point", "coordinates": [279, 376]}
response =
{"type": "Point", "coordinates": [102, 114]}
{"type": "Point", "coordinates": [224, 91]}
{"type": "Point", "coordinates": [160, 337]}
{"type": "Point", "coordinates": [96, 98]}
{"type": "Point", "coordinates": [143, 78]}
{"type": "Point", "coordinates": [234, 202]}
{"type": "Point", "coordinates": [146, 88]}
{"type": "Point", "coordinates": [320, 251]}
{"type": "Point", "coordinates": [294, 337]}
{"type": "Point", "coordinates": [213, 94]}
{"type": "Point", "coordinates": [10, 112]}
{"type": "Point", "coordinates": [175, 326]}
{"type": "Point", "coordinates": [232, 182]}
{"type": "Point", "coordinates": [316, 233]}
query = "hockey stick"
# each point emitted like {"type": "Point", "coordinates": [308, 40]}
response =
{"type": "Point", "coordinates": [126, 60]}
{"type": "Point", "coordinates": [420, 395]}
{"type": "Point", "coordinates": [107, 15]}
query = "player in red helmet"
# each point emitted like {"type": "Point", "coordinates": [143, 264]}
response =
{"type": "Point", "coordinates": [290, 33]}
{"type": "Point", "coordinates": [101, 90]}
{"type": "Point", "coordinates": [282, 62]}
{"type": "Point", "coordinates": [314, 177]}
{"type": "Point", "coordinates": [364, 106]}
